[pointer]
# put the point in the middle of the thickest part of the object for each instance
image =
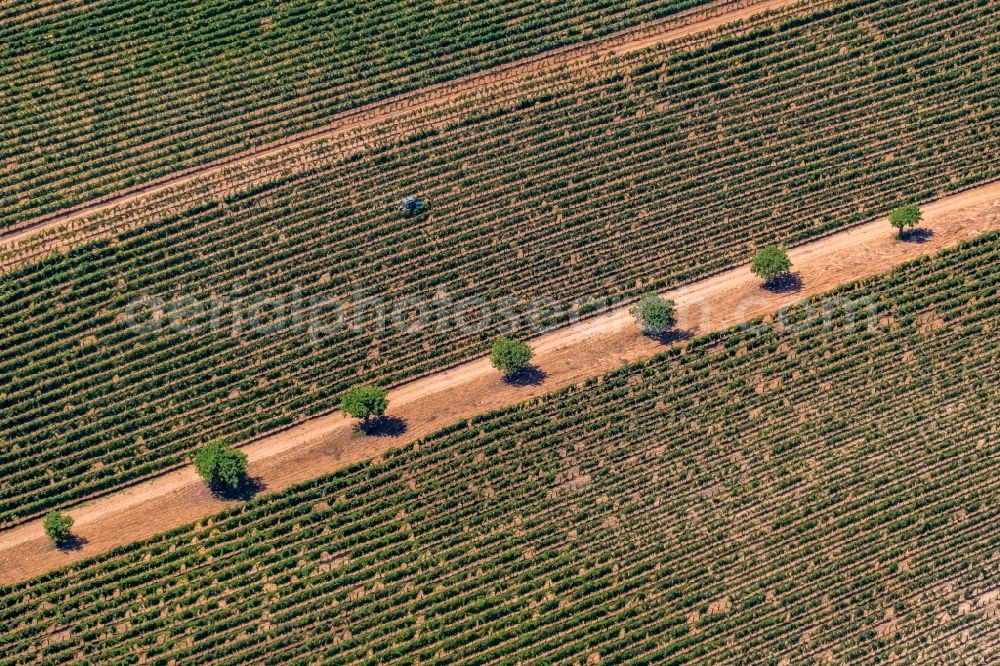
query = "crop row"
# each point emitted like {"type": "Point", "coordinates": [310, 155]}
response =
{"type": "Point", "coordinates": [261, 249]}
{"type": "Point", "coordinates": [596, 191]}
{"type": "Point", "coordinates": [100, 97]}
{"type": "Point", "coordinates": [421, 114]}
{"type": "Point", "coordinates": [798, 488]}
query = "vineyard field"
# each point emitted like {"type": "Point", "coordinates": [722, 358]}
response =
{"type": "Point", "coordinates": [801, 489]}
{"type": "Point", "coordinates": [100, 96]}
{"type": "Point", "coordinates": [657, 168]}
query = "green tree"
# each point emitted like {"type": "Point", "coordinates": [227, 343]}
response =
{"type": "Point", "coordinates": [907, 215]}
{"type": "Point", "coordinates": [364, 402]}
{"type": "Point", "coordinates": [221, 465]}
{"type": "Point", "coordinates": [654, 313]}
{"type": "Point", "coordinates": [510, 355]}
{"type": "Point", "coordinates": [57, 526]}
{"type": "Point", "coordinates": [770, 263]}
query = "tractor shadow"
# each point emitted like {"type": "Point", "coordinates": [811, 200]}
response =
{"type": "Point", "coordinates": [670, 337]}
{"type": "Point", "coordinates": [786, 284]}
{"type": "Point", "coordinates": [249, 487]}
{"type": "Point", "coordinates": [917, 235]}
{"type": "Point", "coordinates": [527, 376]}
{"type": "Point", "coordinates": [383, 426]}
{"type": "Point", "coordinates": [72, 543]}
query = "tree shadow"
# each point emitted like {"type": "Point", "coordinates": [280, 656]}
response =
{"type": "Point", "coordinates": [785, 284]}
{"type": "Point", "coordinates": [527, 376]}
{"type": "Point", "coordinates": [71, 543]}
{"type": "Point", "coordinates": [383, 426]}
{"type": "Point", "coordinates": [920, 235]}
{"type": "Point", "coordinates": [669, 337]}
{"type": "Point", "coordinates": [248, 488]}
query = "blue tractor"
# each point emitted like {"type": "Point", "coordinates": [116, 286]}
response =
{"type": "Point", "coordinates": [412, 206]}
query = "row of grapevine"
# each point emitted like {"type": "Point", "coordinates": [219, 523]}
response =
{"type": "Point", "coordinates": [422, 113]}
{"type": "Point", "coordinates": [98, 97]}
{"type": "Point", "coordinates": [604, 189]}
{"type": "Point", "coordinates": [790, 489]}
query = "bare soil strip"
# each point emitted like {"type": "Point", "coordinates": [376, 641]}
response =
{"type": "Point", "coordinates": [563, 357]}
{"type": "Point", "coordinates": [61, 230]}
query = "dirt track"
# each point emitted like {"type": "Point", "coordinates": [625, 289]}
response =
{"type": "Point", "coordinates": [133, 200]}
{"type": "Point", "coordinates": [565, 356]}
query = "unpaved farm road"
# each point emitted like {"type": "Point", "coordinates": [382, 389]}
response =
{"type": "Point", "coordinates": [565, 356]}
{"type": "Point", "coordinates": [702, 20]}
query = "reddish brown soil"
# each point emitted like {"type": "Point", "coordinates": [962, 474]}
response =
{"type": "Point", "coordinates": [66, 228]}
{"type": "Point", "coordinates": [565, 356]}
